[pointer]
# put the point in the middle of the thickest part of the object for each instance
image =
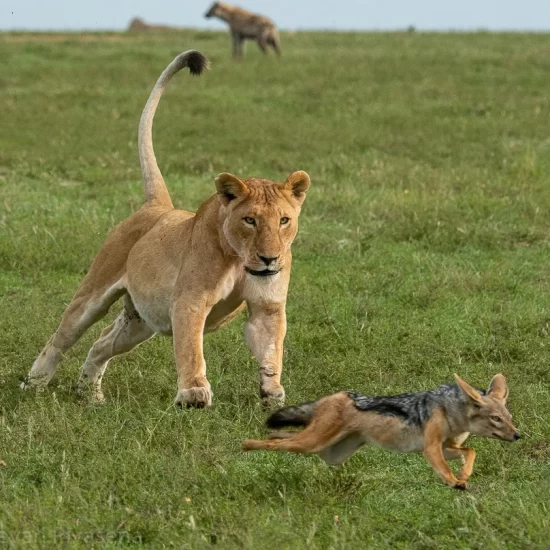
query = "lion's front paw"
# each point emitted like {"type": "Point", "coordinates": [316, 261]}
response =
{"type": "Point", "coordinates": [93, 391]}
{"type": "Point", "coordinates": [194, 397]}
{"type": "Point", "coordinates": [273, 398]}
{"type": "Point", "coordinates": [36, 384]}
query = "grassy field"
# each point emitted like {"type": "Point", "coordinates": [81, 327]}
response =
{"type": "Point", "coordinates": [423, 250]}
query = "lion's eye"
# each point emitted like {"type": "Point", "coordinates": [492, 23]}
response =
{"type": "Point", "coordinates": [284, 221]}
{"type": "Point", "coordinates": [496, 418]}
{"type": "Point", "coordinates": [249, 221]}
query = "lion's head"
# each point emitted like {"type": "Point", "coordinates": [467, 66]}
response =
{"type": "Point", "coordinates": [261, 218]}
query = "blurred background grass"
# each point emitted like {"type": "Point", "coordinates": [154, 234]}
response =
{"type": "Point", "coordinates": [422, 251]}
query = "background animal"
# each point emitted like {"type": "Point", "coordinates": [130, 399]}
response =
{"type": "Point", "coordinates": [185, 274]}
{"type": "Point", "coordinates": [139, 25]}
{"type": "Point", "coordinates": [244, 25]}
{"type": "Point", "coordinates": [436, 422]}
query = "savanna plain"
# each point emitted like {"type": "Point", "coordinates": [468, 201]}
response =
{"type": "Point", "coordinates": [423, 250]}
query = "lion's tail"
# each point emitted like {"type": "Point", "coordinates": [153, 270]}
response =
{"type": "Point", "coordinates": [297, 415]}
{"type": "Point", "coordinates": [156, 192]}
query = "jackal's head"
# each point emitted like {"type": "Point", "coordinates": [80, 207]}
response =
{"type": "Point", "coordinates": [487, 414]}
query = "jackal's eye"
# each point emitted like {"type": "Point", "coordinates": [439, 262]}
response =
{"type": "Point", "coordinates": [248, 220]}
{"type": "Point", "coordinates": [496, 418]}
{"type": "Point", "coordinates": [284, 220]}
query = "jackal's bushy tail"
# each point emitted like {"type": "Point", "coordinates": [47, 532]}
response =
{"type": "Point", "coordinates": [297, 415]}
{"type": "Point", "coordinates": [156, 192]}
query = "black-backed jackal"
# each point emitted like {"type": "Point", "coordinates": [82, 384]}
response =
{"type": "Point", "coordinates": [245, 25]}
{"type": "Point", "coordinates": [435, 422]}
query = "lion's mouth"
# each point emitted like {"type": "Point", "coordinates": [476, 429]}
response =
{"type": "Point", "coordinates": [263, 272]}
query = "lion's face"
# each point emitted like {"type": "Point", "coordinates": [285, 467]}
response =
{"type": "Point", "coordinates": [261, 219]}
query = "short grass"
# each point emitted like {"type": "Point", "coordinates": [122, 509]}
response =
{"type": "Point", "coordinates": [423, 251]}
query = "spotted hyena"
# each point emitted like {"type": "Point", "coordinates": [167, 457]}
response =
{"type": "Point", "coordinates": [245, 25]}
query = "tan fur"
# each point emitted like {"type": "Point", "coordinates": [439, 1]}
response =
{"type": "Point", "coordinates": [245, 25]}
{"type": "Point", "coordinates": [337, 429]}
{"type": "Point", "coordinates": [139, 25]}
{"type": "Point", "coordinates": [186, 274]}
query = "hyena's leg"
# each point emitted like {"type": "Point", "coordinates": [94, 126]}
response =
{"type": "Point", "coordinates": [237, 41]}
{"type": "Point", "coordinates": [128, 330]}
{"type": "Point", "coordinates": [90, 303]}
{"type": "Point", "coordinates": [273, 41]}
{"type": "Point", "coordinates": [265, 334]}
{"type": "Point", "coordinates": [262, 43]}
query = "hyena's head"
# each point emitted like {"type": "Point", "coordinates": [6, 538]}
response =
{"type": "Point", "coordinates": [487, 414]}
{"type": "Point", "coordinates": [213, 10]}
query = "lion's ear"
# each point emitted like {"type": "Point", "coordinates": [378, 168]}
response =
{"type": "Point", "coordinates": [229, 187]}
{"type": "Point", "coordinates": [298, 183]}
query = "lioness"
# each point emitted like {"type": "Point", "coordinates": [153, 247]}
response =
{"type": "Point", "coordinates": [186, 274]}
{"type": "Point", "coordinates": [243, 25]}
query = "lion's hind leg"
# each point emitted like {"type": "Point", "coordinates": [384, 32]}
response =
{"type": "Point", "coordinates": [88, 306]}
{"type": "Point", "coordinates": [128, 331]}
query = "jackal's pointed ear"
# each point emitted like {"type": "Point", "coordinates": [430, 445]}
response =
{"type": "Point", "coordinates": [468, 390]}
{"type": "Point", "coordinates": [498, 388]}
{"type": "Point", "coordinates": [229, 187]}
{"type": "Point", "coordinates": [298, 183]}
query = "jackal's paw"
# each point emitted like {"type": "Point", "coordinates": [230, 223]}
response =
{"type": "Point", "coordinates": [460, 484]}
{"type": "Point", "coordinates": [194, 397]}
{"type": "Point", "coordinates": [273, 397]}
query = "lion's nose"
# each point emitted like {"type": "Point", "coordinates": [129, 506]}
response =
{"type": "Point", "coordinates": [267, 260]}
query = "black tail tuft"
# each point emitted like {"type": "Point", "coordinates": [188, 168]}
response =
{"type": "Point", "coordinates": [196, 62]}
{"type": "Point", "coordinates": [299, 415]}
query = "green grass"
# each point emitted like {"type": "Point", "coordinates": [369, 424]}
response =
{"type": "Point", "coordinates": [423, 250]}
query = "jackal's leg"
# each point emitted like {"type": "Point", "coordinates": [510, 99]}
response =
{"type": "Point", "coordinates": [128, 330]}
{"type": "Point", "coordinates": [90, 303]}
{"type": "Point", "coordinates": [450, 453]}
{"type": "Point", "coordinates": [469, 456]}
{"type": "Point", "coordinates": [466, 455]}
{"type": "Point", "coordinates": [433, 450]}
{"type": "Point", "coordinates": [325, 428]}
{"type": "Point", "coordinates": [281, 435]}
{"type": "Point", "coordinates": [339, 452]}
